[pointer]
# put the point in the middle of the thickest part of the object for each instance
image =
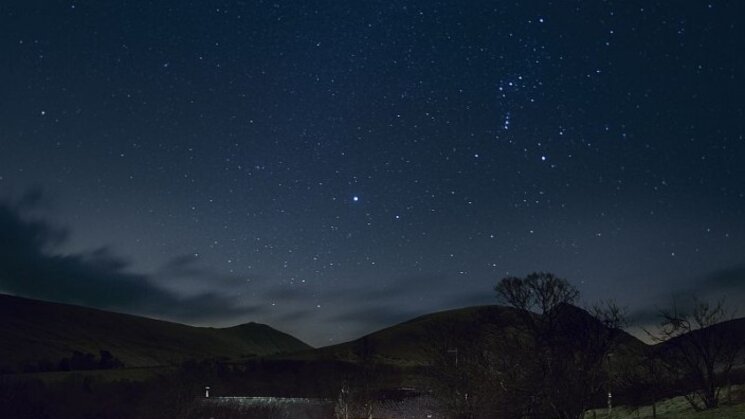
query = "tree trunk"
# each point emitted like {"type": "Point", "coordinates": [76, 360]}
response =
{"type": "Point", "coordinates": [710, 393]}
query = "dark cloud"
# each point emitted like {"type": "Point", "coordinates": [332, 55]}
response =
{"type": "Point", "coordinates": [296, 315]}
{"type": "Point", "coordinates": [183, 264]}
{"type": "Point", "coordinates": [286, 294]}
{"type": "Point", "coordinates": [727, 284]}
{"type": "Point", "coordinates": [730, 281]}
{"type": "Point", "coordinates": [357, 310]}
{"type": "Point", "coordinates": [366, 308]}
{"type": "Point", "coordinates": [403, 287]}
{"type": "Point", "coordinates": [398, 288]}
{"type": "Point", "coordinates": [474, 298]}
{"type": "Point", "coordinates": [652, 315]}
{"type": "Point", "coordinates": [375, 317]}
{"type": "Point", "coordinates": [33, 198]}
{"type": "Point", "coordinates": [30, 267]}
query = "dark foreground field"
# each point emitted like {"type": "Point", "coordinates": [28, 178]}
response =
{"type": "Point", "coordinates": [290, 390]}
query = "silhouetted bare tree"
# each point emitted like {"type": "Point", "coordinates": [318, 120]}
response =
{"type": "Point", "coordinates": [642, 378]}
{"type": "Point", "coordinates": [695, 350]}
{"type": "Point", "coordinates": [561, 348]}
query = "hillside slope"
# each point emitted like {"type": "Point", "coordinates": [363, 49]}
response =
{"type": "Point", "coordinates": [732, 331]}
{"type": "Point", "coordinates": [33, 330]}
{"type": "Point", "coordinates": [411, 342]}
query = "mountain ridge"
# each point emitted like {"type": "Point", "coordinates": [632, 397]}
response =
{"type": "Point", "coordinates": [35, 330]}
{"type": "Point", "coordinates": [408, 343]}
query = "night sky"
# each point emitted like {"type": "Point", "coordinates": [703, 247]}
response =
{"type": "Point", "coordinates": [331, 168]}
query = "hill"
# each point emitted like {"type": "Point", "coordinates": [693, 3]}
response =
{"type": "Point", "coordinates": [679, 408]}
{"type": "Point", "coordinates": [408, 343]}
{"type": "Point", "coordinates": [734, 329]}
{"type": "Point", "coordinates": [730, 331]}
{"type": "Point", "coordinates": [411, 342]}
{"type": "Point", "coordinates": [33, 331]}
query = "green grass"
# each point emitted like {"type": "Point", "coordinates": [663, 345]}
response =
{"type": "Point", "coordinates": [679, 408]}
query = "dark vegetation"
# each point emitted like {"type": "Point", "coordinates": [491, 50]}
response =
{"type": "Point", "coordinates": [546, 359]}
{"type": "Point", "coordinates": [536, 356]}
{"type": "Point", "coordinates": [696, 353]}
{"type": "Point", "coordinates": [78, 361]}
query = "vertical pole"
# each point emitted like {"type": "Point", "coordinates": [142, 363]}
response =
{"type": "Point", "coordinates": [206, 392]}
{"type": "Point", "coordinates": [610, 384]}
{"type": "Point", "coordinates": [457, 377]}
{"type": "Point", "coordinates": [610, 403]}
{"type": "Point", "coordinates": [454, 351]}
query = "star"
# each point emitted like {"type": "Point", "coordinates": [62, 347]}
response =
{"type": "Point", "coordinates": [259, 165]}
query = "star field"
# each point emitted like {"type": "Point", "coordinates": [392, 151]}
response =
{"type": "Point", "coordinates": [335, 167]}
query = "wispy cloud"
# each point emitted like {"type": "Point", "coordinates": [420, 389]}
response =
{"type": "Point", "coordinates": [727, 284]}
{"type": "Point", "coordinates": [31, 266]}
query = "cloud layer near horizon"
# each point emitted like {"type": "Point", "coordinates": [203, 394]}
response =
{"type": "Point", "coordinates": [727, 285]}
{"type": "Point", "coordinates": [30, 266]}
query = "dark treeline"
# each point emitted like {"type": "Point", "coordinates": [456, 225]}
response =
{"type": "Point", "coordinates": [540, 356]}
{"type": "Point", "coordinates": [77, 361]}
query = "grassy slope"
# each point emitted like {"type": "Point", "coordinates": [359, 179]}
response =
{"type": "Point", "coordinates": [406, 344]}
{"type": "Point", "coordinates": [734, 329]}
{"type": "Point", "coordinates": [31, 330]}
{"type": "Point", "coordinates": [402, 344]}
{"type": "Point", "coordinates": [678, 408]}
